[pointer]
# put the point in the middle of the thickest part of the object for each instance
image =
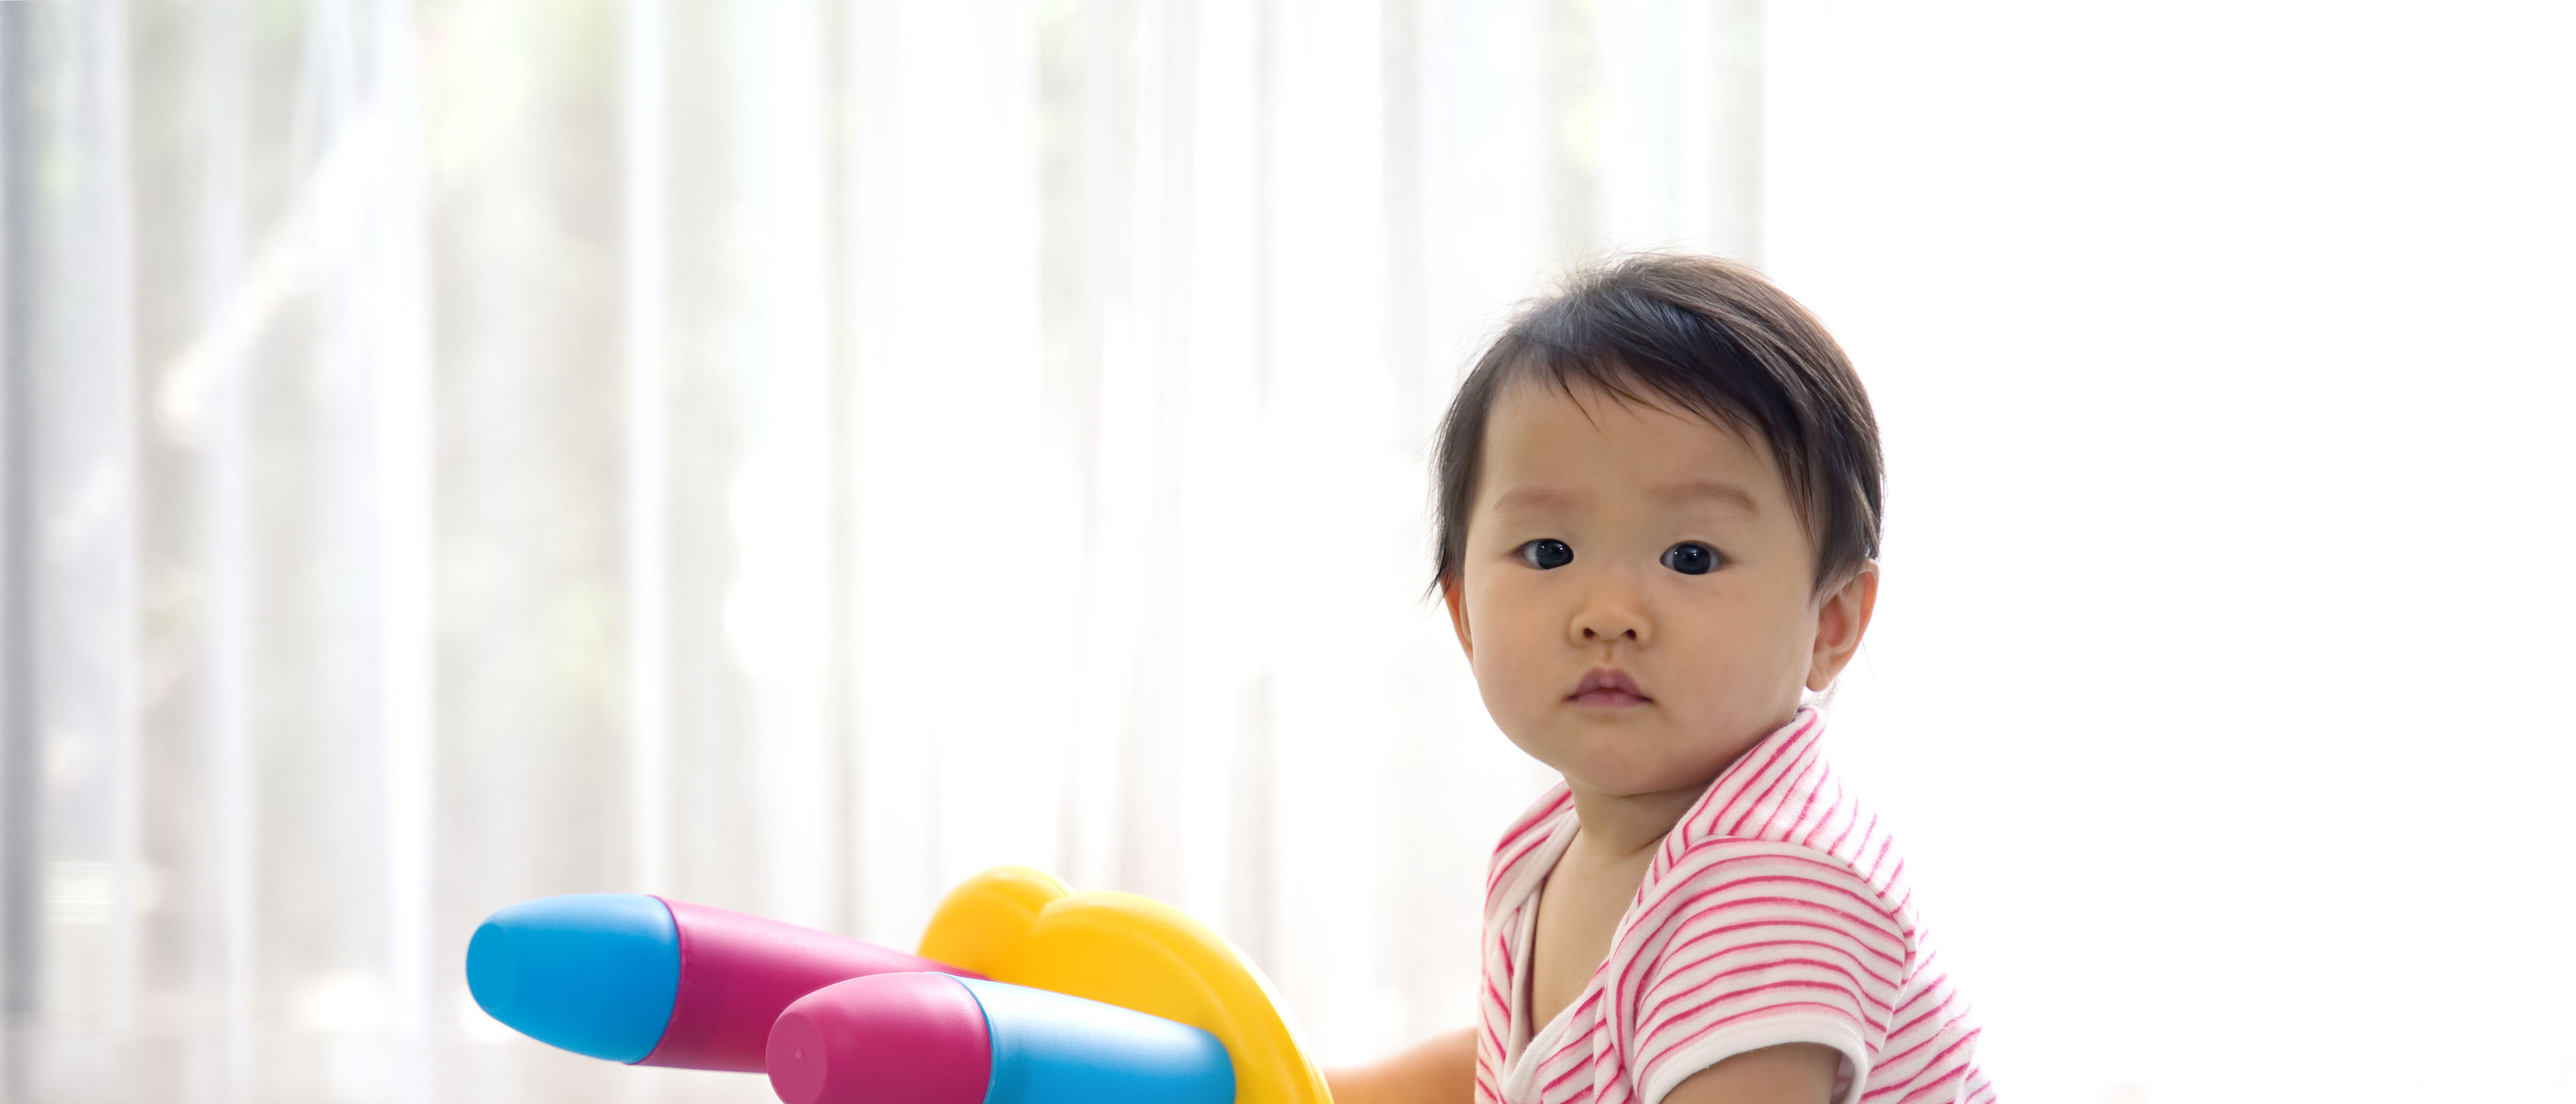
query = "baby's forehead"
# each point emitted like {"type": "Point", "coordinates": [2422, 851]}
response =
{"type": "Point", "coordinates": [1544, 430]}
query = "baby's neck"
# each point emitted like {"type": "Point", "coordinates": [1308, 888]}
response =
{"type": "Point", "coordinates": [1616, 826]}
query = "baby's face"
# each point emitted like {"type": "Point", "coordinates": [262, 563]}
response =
{"type": "Point", "coordinates": [1636, 596]}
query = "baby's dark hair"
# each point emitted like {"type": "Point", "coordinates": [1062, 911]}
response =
{"type": "Point", "coordinates": [1709, 337]}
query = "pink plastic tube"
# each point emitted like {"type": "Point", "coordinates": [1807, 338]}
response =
{"type": "Point", "coordinates": [738, 972]}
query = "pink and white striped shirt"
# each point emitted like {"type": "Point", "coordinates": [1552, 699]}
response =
{"type": "Point", "coordinates": [1775, 912]}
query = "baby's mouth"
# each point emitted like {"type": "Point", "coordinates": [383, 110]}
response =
{"type": "Point", "coordinates": [1607, 686]}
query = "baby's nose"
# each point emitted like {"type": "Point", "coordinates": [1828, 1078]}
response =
{"type": "Point", "coordinates": [1609, 619]}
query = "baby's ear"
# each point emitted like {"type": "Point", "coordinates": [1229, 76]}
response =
{"type": "Point", "coordinates": [1454, 595]}
{"type": "Point", "coordinates": [1842, 617]}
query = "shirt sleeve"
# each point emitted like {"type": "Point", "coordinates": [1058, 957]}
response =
{"type": "Point", "coordinates": [1747, 944]}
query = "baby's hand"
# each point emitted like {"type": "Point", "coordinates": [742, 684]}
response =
{"type": "Point", "coordinates": [1442, 1070]}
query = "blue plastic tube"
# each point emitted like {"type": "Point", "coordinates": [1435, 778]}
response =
{"type": "Point", "coordinates": [937, 1039]}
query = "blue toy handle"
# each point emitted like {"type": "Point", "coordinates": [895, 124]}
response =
{"type": "Point", "coordinates": [1049, 1048]}
{"type": "Point", "coordinates": [928, 1038]}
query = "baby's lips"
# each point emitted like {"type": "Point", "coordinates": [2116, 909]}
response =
{"type": "Point", "coordinates": [1606, 678]}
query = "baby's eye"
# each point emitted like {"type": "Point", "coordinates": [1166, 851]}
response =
{"type": "Point", "coordinates": [1544, 554]}
{"type": "Point", "coordinates": [1691, 558]}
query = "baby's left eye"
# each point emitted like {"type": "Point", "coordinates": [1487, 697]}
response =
{"type": "Point", "coordinates": [1691, 558]}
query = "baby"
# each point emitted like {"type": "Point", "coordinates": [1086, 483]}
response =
{"type": "Point", "coordinates": [1659, 517]}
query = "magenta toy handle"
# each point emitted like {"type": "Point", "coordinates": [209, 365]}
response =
{"type": "Point", "coordinates": [738, 972]}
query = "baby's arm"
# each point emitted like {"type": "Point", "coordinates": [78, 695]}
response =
{"type": "Point", "coordinates": [1794, 1073]}
{"type": "Point", "coordinates": [1442, 1070]}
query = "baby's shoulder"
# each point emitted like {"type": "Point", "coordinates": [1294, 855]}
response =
{"type": "Point", "coordinates": [1796, 813]}
{"type": "Point", "coordinates": [1758, 893]}
{"type": "Point", "coordinates": [1711, 867]}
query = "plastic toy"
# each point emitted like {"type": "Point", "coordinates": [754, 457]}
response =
{"type": "Point", "coordinates": [655, 982]}
{"type": "Point", "coordinates": [938, 1039]}
{"type": "Point", "coordinates": [838, 1021]}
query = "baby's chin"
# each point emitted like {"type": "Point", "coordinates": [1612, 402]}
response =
{"type": "Point", "coordinates": [1623, 764]}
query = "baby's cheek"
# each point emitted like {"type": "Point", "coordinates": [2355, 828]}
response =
{"type": "Point", "coordinates": [1504, 684]}
{"type": "Point", "coordinates": [1747, 653]}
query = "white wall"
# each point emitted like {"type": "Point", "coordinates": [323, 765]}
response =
{"type": "Point", "coordinates": [2219, 679]}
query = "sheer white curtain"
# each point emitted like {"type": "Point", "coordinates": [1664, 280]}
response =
{"type": "Point", "coordinates": [786, 455]}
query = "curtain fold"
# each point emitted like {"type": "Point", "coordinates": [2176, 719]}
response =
{"type": "Point", "coordinates": [785, 455]}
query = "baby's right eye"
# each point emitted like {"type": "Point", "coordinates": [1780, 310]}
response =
{"type": "Point", "coordinates": [1545, 553]}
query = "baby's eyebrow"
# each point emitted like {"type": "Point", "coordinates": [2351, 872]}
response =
{"type": "Point", "coordinates": [1535, 498]}
{"type": "Point", "coordinates": [1726, 494]}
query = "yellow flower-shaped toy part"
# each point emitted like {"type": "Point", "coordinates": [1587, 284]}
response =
{"type": "Point", "coordinates": [1022, 926]}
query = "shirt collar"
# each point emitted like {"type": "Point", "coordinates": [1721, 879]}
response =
{"type": "Point", "coordinates": [1745, 783]}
